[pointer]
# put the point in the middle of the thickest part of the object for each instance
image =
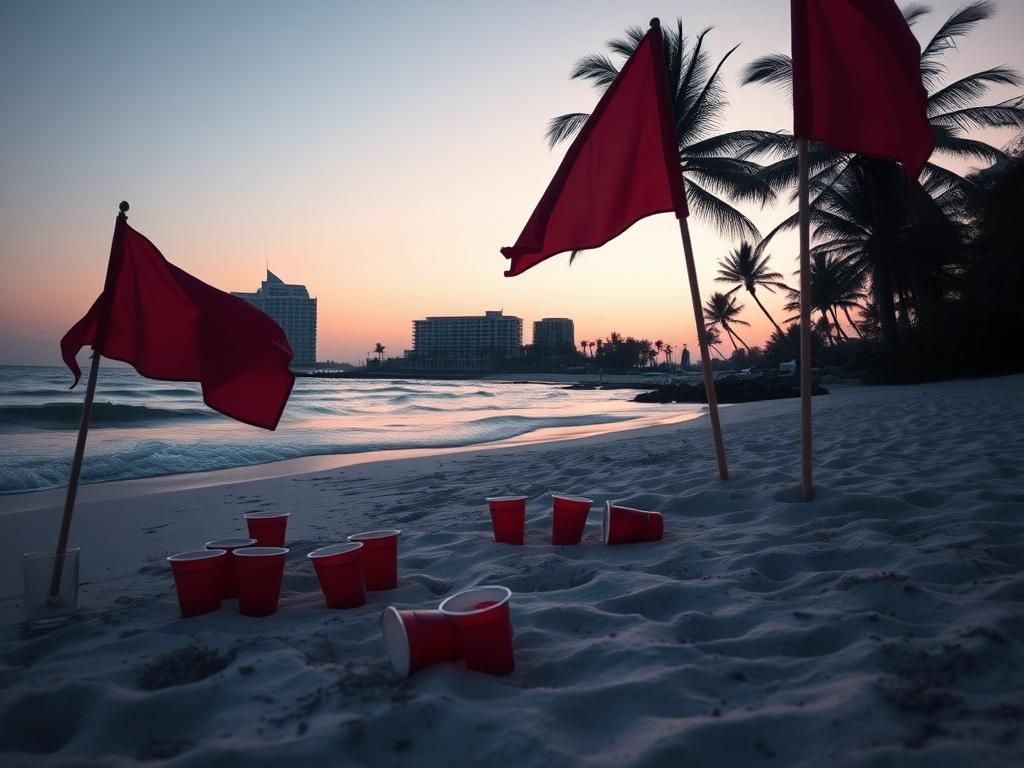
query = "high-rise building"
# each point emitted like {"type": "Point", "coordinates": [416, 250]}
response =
{"type": "Point", "coordinates": [292, 309]}
{"type": "Point", "coordinates": [466, 342]}
{"type": "Point", "coordinates": [554, 333]}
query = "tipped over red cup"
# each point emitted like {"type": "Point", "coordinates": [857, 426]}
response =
{"type": "Point", "coordinates": [415, 640]}
{"type": "Point", "coordinates": [482, 623]}
{"type": "Point", "coordinates": [230, 581]}
{"type": "Point", "coordinates": [568, 518]}
{"type": "Point", "coordinates": [625, 525]}
{"type": "Point", "coordinates": [380, 558]}
{"type": "Point", "coordinates": [339, 568]}
{"type": "Point", "coordinates": [508, 518]}
{"type": "Point", "coordinates": [268, 528]}
{"type": "Point", "coordinates": [198, 580]}
{"type": "Point", "coordinates": [260, 571]}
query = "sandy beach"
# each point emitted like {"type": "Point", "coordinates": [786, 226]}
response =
{"type": "Point", "coordinates": [881, 624]}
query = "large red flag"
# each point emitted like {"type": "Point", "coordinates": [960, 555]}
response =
{"type": "Point", "coordinates": [169, 325]}
{"type": "Point", "coordinates": [857, 81]}
{"type": "Point", "coordinates": [623, 166]}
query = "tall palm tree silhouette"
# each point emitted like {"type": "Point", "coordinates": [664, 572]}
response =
{"type": "Point", "coordinates": [713, 175]}
{"type": "Point", "coordinates": [842, 182]}
{"type": "Point", "coordinates": [749, 269]}
{"type": "Point", "coordinates": [379, 350]}
{"type": "Point", "coordinates": [723, 311]}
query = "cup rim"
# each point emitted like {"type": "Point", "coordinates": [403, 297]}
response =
{"type": "Point", "coordinates": [335, 549]}
{"type": "Point", "coordinates": [393, 629]}
{"type": "Point", "coordinates": [196, 554]}
{"type": "Point", "coordinates": [492, 499]}
{"type": "Point", "coordinates": [52, 552]}
{"type": "Point", "coordinates": [371, 535]}
{"type": "Point", "coordinates": [265, 515]}
{"type": "Point", "coordinates": [567, 497]}
{"type": "Point", "coordinates": [606, 524]}
{"type": "Point", "coordinates": [230, 543]}
{"type": "Point", "coordinates": [505, 592]}
{"type": "Point", "coordinates": [261, 551]}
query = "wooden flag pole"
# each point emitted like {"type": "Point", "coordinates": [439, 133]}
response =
{"type": "Point", "coordinates": [806, 382]}
{"type": "Point", "coordinates": [705, 356]}
{"type": "Point", "coordinates": [90, 393]}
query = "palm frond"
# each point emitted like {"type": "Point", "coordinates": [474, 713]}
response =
{"type": "Point", "coordinates": [775, 70]}
{"type": "Point", "coordinates": [965, 91]}
{"type": "Point", "coordinates": [914, 11]}
{"type": "Point", "coordinates": [996, 116]}
{"type": "Point", "coordinates": [726, 219]}
{"type": "Point", "coordinates": [738, 179]}
{"type": "Point", "coordinates": [624, 46]}
{"type": "Point", "coordinates": [597, 68]}
{"type": "Point", "coordinates": [565, 126]}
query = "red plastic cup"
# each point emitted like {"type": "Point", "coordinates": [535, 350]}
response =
{"type": "Point", "coordinates": [229, 581]}
{"type": "Point", "coordinates": [415, 640]}
{"type": "Point", "coordinates": [339, 568]}
{"type": "Point", "coordinates": [568, 518]}
{"type": "Point", "coordinates": [380, 558]}
{"type": "Point", "coordinates": [267, 527]}
{"type": "Point", "coordinates": [483, 626]}
{"type": "Point", "coordinates": [198, 578]}
{"type": "Point", "coordinates": [260, 571]}
{"type": "Point", "coordinates": [625, 525]}
{"type": "Point", "coordinates": [508, 517]}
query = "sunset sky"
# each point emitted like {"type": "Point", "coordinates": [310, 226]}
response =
{"type": "Point", "coordinates": [379, 153]}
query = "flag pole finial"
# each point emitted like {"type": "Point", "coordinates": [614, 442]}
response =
{"type": "Point", "coordinates": [123, 207]}
{"type": "Point", "coordinates": [655, 22]}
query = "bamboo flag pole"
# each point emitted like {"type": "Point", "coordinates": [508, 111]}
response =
{"type": "Point", "coordinates": [806, 382]}
{"type": "Point", "coordinates": [90, 392]}
{"type": "Point", "coordinates": [705, 356]}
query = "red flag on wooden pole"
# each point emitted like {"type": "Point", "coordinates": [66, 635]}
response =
{"type": "Point", "coordinates": [623, 166]}
{"type": "Point", "coordinates": [169, 325]}
{"type": "Point", "coordinates": [857, 81]}
{"type": "Point", "coordinates": [857, 88]}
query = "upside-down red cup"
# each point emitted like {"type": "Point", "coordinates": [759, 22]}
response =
{"type": "Point", "coordinates": [380, 558]}
{"type": "Point", "coordinates": [508, 517]}
{"type": "Point", "coordinates": [483, 626]}
{"type": "Point", "coordinates": [625, 525]}
{"type": "Point", "coordinates": [260, 571]}
{"type": "Point", "coordinates": [230, 581]}
{"type": "Point", "coordinates": [339, 568]}
{"type": "Point", "coordinates": [267, 527]}
{"type": "Point", "coordinates": [198, 577]}
{"type": "Point", "coordinates": [418, 639]}
{"type": "Point", "coordinates": [568, 518]}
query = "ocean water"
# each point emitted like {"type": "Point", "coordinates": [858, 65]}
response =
{"type": "Point", "coordinates": [145, 428]}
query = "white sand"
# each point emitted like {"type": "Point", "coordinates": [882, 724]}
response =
{"type": "Point", "coordinates": [881, 624]}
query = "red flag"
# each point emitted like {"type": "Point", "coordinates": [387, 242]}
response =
{"type": "Point", "coordinates": [169, 325]}
{"type": "Point", "coordinates": [857, 81]}
{"type": "Point", "coordinates": [623, 166]}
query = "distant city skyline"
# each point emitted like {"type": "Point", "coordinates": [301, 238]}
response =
{"type": "Point", "coordinates": [379, 154]}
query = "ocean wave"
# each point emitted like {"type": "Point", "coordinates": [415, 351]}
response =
{"type": "Point", "coordinates": [69, 415]}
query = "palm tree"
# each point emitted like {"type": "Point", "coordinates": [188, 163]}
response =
{"type": "Point", "coordinates": [668, 354]}
{"type": "Point", "coordinates": [652, 357]}
{"type": "Point", "coordinates": [712, 173]}
{"type": "Point", "coordinates": [886, 205]}
{"type": "Point", "coordinates": [749, 269]}
{"type": "Point", "coordinates": [592, 345]}
{"type": "Point", "coordinates": [835, 285]}
{"type": "Point", "coordinates": [379, 350]}
{"type": "Point", "coordinates": [714, 338]}
{"type": "Point", "coordinates": [723, 311]}
{"type": "Point", "coordinates": [659, 345]}
{"type": "Point", "coordinates": [583, 346]}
